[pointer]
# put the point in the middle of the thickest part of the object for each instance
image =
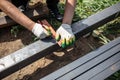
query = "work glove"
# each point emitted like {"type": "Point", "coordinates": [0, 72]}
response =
{"type": "Point", "coordinates": [40, 31]}
{"type": "Point", "coordinates": [65, 34]}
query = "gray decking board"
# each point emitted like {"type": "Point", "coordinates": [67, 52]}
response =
{"type": "Point", "coordinates": [38, 49]}
{"type": "Point", "coordinates": [107, 72]}
{"type": "Point", "coordinates": [87, 75]}
{"type": "Point", "coordinates": [34, 14]}
{"type": "Point", "coordinates": [70, 67]}
{"type": "Point", "coordinates": [90, 64]}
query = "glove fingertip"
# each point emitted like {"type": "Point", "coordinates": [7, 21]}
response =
{"type": "Point", "coordinates": [68, 42]}
{"type": "Point", "coordinates": [49, 32]}
{"type": "Point", "coordinates": [63, 45]}
{"type": "Point", "coordinates": [57, 37]}
{"type": "Point", "coordinates": [73, 40]}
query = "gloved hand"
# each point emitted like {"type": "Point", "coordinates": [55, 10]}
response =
{"type": "Point", "coordinates": [41, 32]}
{"type": "Point", "coordinates": [66, 35]}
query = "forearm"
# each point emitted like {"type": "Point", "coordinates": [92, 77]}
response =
{"type": "Point", "coordinates": [15, 14]}
{"type": "Point", "coordinates": [69, 11]}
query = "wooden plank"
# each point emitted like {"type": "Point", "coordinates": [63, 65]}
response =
{"type": "Point", "coordinates": [107, 72]}
{"type": "Point", "coordinates": [45, 24]}
{"type": "Point", "coordinates": [81, 61]}
{"type": "Point", "coordinates": [102, 66]}
{"type": "Point", "coordinates": [33, 52]}
{"type": "Point", "coordinates": [34, 14]}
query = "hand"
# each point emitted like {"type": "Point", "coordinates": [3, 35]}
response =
{"type": "Point", "coordinates": [41, 32]}
{"type": "Point", "coordinates": [65, 34]}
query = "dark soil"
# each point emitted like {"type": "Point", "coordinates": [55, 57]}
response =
{"type": "Point", "coordinates": [48, 64]}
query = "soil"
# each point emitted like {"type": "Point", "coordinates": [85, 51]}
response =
{"type": "Point", "coordinates": [44, 66]}
{"type": "Point", "coordinates": [9, 44]}
{"type": "Point", "coordinates": [47, 64]}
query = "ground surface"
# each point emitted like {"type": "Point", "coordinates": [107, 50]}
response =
{"type": "Point", "coordinates": [9, 44]}
{"type": "Point", "coordinates": [46, 65]}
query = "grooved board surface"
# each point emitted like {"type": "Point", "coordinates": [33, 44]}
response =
{"type": "Point", "coordinates": [90, 65]}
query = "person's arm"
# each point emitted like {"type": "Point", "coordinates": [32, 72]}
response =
{"type": "Point", "coordinates": [37, 29]}
{"type": "Point", "coordinates": [69, 11]}
{"type": "Point", "coordinates": [7, 7]}
{"type": "Point", "coordinates": [64, 32]}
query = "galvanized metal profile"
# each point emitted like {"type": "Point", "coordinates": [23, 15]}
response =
{"type": "Point", "coordinates": [41, 48]}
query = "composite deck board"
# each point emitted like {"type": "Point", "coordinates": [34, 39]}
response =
{"type": "Point", "coordinates": [41, 48]}
{"type": "Point", "coordinates": [90, 64]}
{"type": "Point", "coordinates": [83, 60]}
{"type": "Point", "coordinates": [105, 64]}
{"type": "Point", "coordinates": [107, 72]}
